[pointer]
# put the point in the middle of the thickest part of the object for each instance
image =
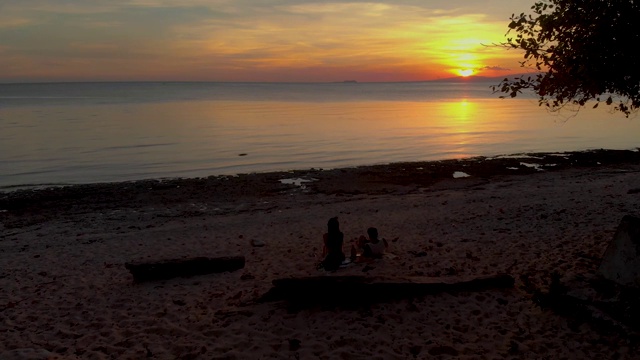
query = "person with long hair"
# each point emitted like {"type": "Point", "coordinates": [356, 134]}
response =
{"type": "Point", "coordinates": [332, 250]}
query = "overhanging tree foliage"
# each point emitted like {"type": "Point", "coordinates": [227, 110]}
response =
{"type": "Point", "coordinates": [583, 49]}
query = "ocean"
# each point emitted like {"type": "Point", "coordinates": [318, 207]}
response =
{"type": "Point", "coordinates": [78, 133]}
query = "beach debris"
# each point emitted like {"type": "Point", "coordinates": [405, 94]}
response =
{"type": "Point", "coordinates": [621, 260]}
{"type": "Point", "coordinates": [27, 353]}
{"type": "Point", "coordinates": [166, 269]}
{"type": "Point", "coordinates": [418, 253]}
{"type": "Point", "coordinates": [243, 154]}
{"type": "Point", "coordinates": [367, 268]}
{"type": "Point", "coordinates": [415, 350]}
{"type": "Point", "coordinates": [257, 243]}
{"type": "Point", "coordinates": [443, 350]}
{"type": "Point", "coordinates": [460, 174]}
{"type": "Point", "coordinates": [535, 166]}
{"type": "Point", "coordinates": [247, 276]}
{"type": "Point", "coordinates": [297, 181]}
{"type": "Point", "coordinates": [231, 313]}
{"type": "Point", "coordinates": [294, 344]}
{"type": "Point", "coordinates": [362, 289]}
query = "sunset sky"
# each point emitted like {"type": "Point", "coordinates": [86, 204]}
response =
{"type": "Point", "coordinates": [254, 40]}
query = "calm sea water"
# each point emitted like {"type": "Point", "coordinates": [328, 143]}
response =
{"type": "Point", "coordinates": [70, 133]}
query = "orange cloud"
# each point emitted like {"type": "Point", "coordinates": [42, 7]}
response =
{"type": "Point", "coordinates": [292, 41]}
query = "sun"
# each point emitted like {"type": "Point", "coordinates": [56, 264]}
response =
{"type": "Point", "coordinates": [465, 72]}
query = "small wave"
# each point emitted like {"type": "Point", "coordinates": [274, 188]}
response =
{"type": "Point", "coordinates": [49, 97]}
{"type": "Point", "coordinates": [9, 188]}
{"type": "Point", "coordinates": [137, 146]}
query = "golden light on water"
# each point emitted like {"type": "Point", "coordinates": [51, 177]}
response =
{"type": "Point", "coordinates": [461, 115]}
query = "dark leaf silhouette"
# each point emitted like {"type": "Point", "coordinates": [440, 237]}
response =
{"type": "Point", "coordinates": [581, 49]}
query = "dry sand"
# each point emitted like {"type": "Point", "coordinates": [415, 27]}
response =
{"type": "Point", "coordinates": [66, 293]}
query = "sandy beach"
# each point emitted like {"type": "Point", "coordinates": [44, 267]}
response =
{"type": "Point", "coordinates": [67, 295]}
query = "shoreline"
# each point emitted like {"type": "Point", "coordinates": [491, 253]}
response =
{"type": "Point", "coordinates": [401, 177]}
{"type": "Point", "coordinates": [67, 294]}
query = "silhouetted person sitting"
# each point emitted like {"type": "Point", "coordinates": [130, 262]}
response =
{"type": "Point", "coordinates": [332, 251]}
{"type": "Point", "coordinates": [373, 247]}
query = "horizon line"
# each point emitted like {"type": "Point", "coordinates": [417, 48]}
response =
{"type": "Point", "coordinates": [350, 81]}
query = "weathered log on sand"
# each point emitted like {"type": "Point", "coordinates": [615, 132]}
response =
{"type": "Point", "coordinates": [166, 269]}
{"type": "Point", "coordinates": [363, 289]}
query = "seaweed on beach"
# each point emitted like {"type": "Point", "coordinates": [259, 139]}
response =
{"type": "Point", "coordinates": [26, 207]}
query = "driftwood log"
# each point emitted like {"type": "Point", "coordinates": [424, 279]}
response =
{"type": "Point", "coordinates": [166, 269]}
{"type": "Point", "coordinates": [346, 290]}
